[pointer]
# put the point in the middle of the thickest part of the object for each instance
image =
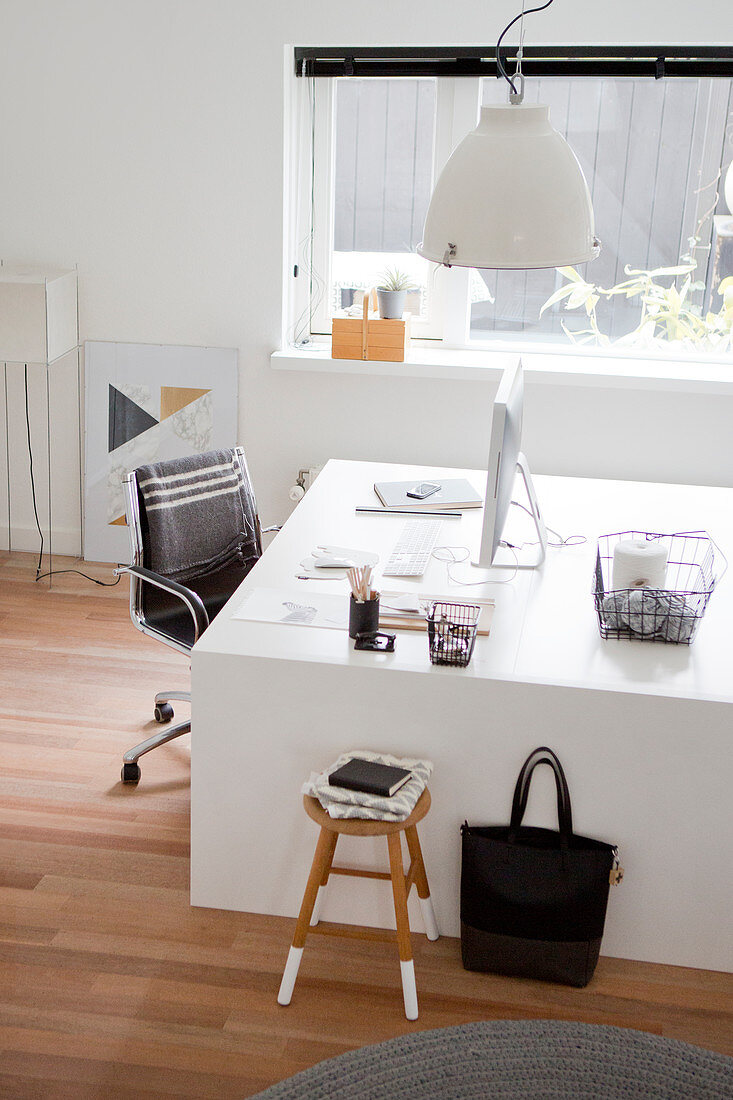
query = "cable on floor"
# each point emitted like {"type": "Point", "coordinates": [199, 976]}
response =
{"type": "Point", "coordinates": [51, 572]}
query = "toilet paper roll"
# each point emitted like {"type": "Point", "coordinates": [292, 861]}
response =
{"type": "Point", "coordinates": [639, 563]}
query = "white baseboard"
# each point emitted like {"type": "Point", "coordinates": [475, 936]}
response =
{"type": "Point", "coordinates": [66, 540]}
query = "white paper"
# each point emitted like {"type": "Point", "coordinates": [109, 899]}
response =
{"type": "Point", "coordinates": [326, 609]}
{"type": "Point", "coordinates": [279, 605]}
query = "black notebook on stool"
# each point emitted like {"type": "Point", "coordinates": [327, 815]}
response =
{"type": "Point", "coordinates": [369, 776]}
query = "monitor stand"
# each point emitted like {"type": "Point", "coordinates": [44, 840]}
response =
{"type": "Point", "coordinates": [539, 523]}
{"type": "Point", "coordinates": [504, 558]}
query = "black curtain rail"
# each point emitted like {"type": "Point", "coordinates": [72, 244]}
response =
{"type": "Point", "coordinates": [656, 62]}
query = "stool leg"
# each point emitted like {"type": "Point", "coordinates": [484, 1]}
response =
{"type": "Point", "coordinates": [321, 863]}
{"type": "Point", "coordinates": [316, 914]}
{"type": "Point", "coordinates": [421, 881]}
{"type": "Point", "coordinates": [407, 967]}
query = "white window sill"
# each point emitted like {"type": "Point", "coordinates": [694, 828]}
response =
{"type": "Point", "coordinates": [558, 369]}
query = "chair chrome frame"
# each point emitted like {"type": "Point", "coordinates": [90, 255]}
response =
{"type": "Point", "coordinates": [139, 576]}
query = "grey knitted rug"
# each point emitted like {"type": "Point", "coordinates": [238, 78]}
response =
{"type": "Point", "coordinates": [517, 1060]}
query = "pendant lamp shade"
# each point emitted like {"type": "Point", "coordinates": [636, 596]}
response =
{"type": "Point", "coordinates": [512, 195]}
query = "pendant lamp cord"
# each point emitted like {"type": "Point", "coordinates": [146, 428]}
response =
{"type": "Point", "coordinates": [499, 60]}
{"type": "Point", "coordinates": [520, 48]}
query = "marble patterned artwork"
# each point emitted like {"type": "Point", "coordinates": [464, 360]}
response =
{"type": "Point", "coordinates": [136, 452]}
{"type": "Point", "coordinates": [142, 396]}
{"type": "Point", "coordinates": [146, 403]}
{"type": "Point", "coordinates": [195, 423]}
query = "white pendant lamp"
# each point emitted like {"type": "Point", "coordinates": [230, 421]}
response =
{"type": "Point", "coordinates": [513, 194]}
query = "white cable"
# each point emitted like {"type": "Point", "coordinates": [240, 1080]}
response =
{"type": "Point", "coordinates": [571, 540]}
{"type": "Point", "coordinates": [447, 554]}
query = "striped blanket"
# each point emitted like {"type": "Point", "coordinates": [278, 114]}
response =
{"type": "Point", "coordinates": [340, 802]}
{"type": "Point", "coordinates": [199, 514]}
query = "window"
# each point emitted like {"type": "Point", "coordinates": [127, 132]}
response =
{"type": "Point", "coordinates": [382, 155]}
{"type": "Point", "coordinates": [383, 177]}
{"type": "Point", "coordinates": [653, 152]}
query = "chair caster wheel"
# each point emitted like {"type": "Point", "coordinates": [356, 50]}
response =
{"type": "Point", "coordinates": [163, 712]}
{"type": "Point", "coordinates": [130, 773]}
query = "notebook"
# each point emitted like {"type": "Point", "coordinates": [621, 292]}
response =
{"type": "Point", "coordinates": [369, 776]}
{"type": "Point", "coordinates": [391, 619]}
{"type": "Point", "coordinates": [453, 493]}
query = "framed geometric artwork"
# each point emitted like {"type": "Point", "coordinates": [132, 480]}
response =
{"type": "Point", "coordinates": [147, 403]}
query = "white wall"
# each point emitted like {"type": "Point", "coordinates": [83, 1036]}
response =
{"type": "Point", "coordinates": [143, 140]}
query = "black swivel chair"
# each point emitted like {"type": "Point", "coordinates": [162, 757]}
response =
{"type": "Point", "coordinates": [178, 614]}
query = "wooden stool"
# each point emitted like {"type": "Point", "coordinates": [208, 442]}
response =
{"type": "Point", "coordinates": [331, 829]}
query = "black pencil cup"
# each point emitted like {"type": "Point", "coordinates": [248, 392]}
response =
{"type": "Point", "coordinates": [363, 617]}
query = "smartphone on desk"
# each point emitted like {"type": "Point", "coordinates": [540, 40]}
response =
{"type": "Point", "coordinates": [423, 490]}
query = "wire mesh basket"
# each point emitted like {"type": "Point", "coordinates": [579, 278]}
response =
{"type": "Point", "coordinates": [671, 614]}
{"type": "Point", "coordinates": [452, 632]}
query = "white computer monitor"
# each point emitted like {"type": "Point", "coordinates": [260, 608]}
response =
{"type": "Point", "coordinates": [505, 460]}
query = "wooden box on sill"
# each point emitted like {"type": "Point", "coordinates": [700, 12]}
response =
{"type": "Point", "coordinates": [368, 337]}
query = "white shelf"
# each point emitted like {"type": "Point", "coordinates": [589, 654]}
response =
{"type": "Point", "coordinates": [706, 376]}
{"type": "Point", "coordinates": [38, 314]}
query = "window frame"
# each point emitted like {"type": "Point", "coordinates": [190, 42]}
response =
{"type": "Point", "coordinates": [456, 112]}
{"type": "Point", "coordinates": [458, 102]}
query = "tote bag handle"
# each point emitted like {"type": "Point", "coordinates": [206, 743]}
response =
{"type": "Point", "coordinates": [542, 755]}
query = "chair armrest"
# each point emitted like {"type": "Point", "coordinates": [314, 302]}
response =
{"type": "Point", "coordinates": [192, 600]}
{"type": "Point", "coordinates": [274, 527]}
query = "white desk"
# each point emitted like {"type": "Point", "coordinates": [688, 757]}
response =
{"type": "Point", "coordinates": [643, 729]}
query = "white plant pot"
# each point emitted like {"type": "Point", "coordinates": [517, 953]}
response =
{"type": "Point", "coordinates": [391, 303]}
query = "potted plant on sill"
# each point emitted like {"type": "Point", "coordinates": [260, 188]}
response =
{"type": "Point", "coordinates": [392, 293]}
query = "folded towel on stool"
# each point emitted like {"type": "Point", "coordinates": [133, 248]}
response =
{"type": "Point", "coordinates": [338, 802]}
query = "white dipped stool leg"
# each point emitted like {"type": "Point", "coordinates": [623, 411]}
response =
{"type": "Point", "coordinates": [318, 874]}
{"type": "Point", "coordinates": [428, 916]}
{"type": "Point", "coordinates": [399, 894]}
{"type": "Point", "coordinates": [289, 975]}
{"type": "Point", "coordinates": [409, 989]}
{"type": "Point", "coordinates": [421, 881]}
{"type": "Point", "coordinates": [316, 914]}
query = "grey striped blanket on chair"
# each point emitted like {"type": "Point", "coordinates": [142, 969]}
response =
{"type": "Point", "coordinates": [199, 513]}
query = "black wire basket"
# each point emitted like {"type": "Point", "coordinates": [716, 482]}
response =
{"type": "Point", "coordinates": [452, 632]}
{"type": "Point", "coordinates": [671, 614]}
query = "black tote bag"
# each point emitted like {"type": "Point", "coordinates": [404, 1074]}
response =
{"type": "Point", "coordinates": [533, 901]}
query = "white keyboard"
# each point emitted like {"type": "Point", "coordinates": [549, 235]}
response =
{"type": "Point", "coordinates": [411, 553]}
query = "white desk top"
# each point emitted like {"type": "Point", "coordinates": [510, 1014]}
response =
{"type": "Point", "coordinates": [544, 629]}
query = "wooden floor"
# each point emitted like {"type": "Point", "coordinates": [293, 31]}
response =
{"type": "Point", "coordinates": [111, 986]}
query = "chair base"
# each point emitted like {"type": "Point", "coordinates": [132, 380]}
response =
{"type": "Point", "coordinates": [133, 755]}
{"type": "Point", "coordinates": [163, 713]}
{"type": "Point", "coordinates": [166, 696]}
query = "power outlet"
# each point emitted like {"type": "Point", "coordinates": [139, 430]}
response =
{"type": "Point", "coordinates": [306, 476]}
